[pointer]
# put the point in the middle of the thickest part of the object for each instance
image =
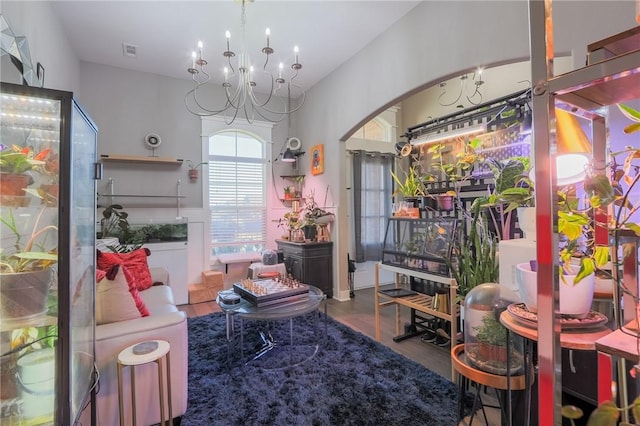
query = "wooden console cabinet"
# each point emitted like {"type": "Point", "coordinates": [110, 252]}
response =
{"type": "Point", "coordinates": [310, 263]}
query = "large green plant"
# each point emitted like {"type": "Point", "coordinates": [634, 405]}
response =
{"type": "Point", "coordinates": [474, 258]}
{"type": "Point", "coordinates": [14, 162]}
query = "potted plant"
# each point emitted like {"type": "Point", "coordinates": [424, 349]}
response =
{"type": "Point", "coordinates": [289, 193]}
{"type": "Point", "coordinates": [474, 258]}
{"type": "Point", "coordinates": [491, 337]}
{"type": "Point", "coordinates": [603, 191]}
{"type": "Point", "coordinates": [193, 170]}
{"type": "Point", "coordinates": [411, 188]}
{"type": "Point", "coordinates": [14, 163]}
{"type": "Point", "coordinates": [25, 269]}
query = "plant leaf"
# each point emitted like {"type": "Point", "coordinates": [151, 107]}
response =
{"type": "Point", "coordinates": [631, 128]}
{"type": "Point", "coordinates": [571, 412]}
{"type": "Point", "coordinates": [629, 112]}
{"type": "Point", "coordinates": [606, 414]}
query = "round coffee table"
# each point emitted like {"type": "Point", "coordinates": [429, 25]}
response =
{"type": "Point", "coordinates": [285, 310]}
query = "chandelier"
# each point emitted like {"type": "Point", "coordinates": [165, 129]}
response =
{"type": "Point", "coordinates": [474, 99]}
{"type": "Point", "coordinates": [242, 92]}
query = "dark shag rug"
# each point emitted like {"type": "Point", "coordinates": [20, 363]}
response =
{"type": "Point", "coordinates": [350, 380]}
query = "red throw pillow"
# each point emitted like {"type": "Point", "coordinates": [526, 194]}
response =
{"type": "Point", "coordinates": [134, 292]}
{"type": "Point", "coordinates": [135, 262]}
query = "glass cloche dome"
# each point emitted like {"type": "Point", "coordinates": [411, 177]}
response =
{"type": "Point", "coordinates": [485, 338]}
{"type": "Point", "coordinates": [269, 257]}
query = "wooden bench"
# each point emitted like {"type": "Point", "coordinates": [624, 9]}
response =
{"type": "Point", "coordinates": [227, 258]}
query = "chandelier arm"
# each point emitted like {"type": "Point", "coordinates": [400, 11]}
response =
{"type": "Point", "coordinates": [198, 113]}
{"type": "Point", "coordinates": [256, 101]}
{"type": "Point", "coordinates": [231, 101]}
{"type": "Point", "coordinates": [444, 92]}
{"type": "Point", "coordinates": [233, 70]}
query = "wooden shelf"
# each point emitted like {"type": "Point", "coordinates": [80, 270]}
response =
{"type": "Point", "coordinates": [140, 159]}
{"type": "Point", "coordinates": [290, 199]}
{"type": "Point", "coordinates": [291, 176]}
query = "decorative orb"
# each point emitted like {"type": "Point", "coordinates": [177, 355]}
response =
{"type": "Point", "coordinates": [269, 257]}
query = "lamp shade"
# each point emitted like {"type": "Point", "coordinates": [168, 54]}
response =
{"type": "Point", "coordinates": [574, 150]}
{"type": "Point", "coordinates": [288, 156]}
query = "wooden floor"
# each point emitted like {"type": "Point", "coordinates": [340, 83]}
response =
{"type": "Point", "coordinates": [358, 313]}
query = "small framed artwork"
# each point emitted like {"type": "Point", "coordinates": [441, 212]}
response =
{"type": "Point", "coordinates": [317, 159]}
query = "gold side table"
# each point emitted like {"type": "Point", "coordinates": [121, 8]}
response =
{"type": "Point", "coordinates": [132, 356]}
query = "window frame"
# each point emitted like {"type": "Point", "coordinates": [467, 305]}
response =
{"type": "Point", "coordinates": [213, 125]}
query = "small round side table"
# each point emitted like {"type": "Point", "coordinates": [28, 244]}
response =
{"type": "Point", "coordinates": [128, 357]}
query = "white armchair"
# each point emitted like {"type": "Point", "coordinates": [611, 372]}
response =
{"type": "Point", "coordinates": [165, 322]}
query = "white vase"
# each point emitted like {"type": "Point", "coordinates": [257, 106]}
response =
{"type": "Point", "coordinates": [575, 299]}
{"type": "Point", "coordinates": [527, 222]}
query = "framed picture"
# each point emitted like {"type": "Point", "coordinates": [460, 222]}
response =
{"type": "Point", "coordinates": [317, 159]}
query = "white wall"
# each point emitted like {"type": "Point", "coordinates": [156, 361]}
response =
{"type": "Point", "coordinates": [47, 42]}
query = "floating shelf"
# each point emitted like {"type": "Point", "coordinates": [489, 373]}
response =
{"type": "Point", "coordinates": [141, 159]}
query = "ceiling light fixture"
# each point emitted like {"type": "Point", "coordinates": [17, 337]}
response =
{"type": "Point", "coordinates": [443, 136]}
{"type": "Point", "coordinates": [240, 86]}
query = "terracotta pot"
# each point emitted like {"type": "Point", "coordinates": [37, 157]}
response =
{"type": "Point", "coordinates": [193, 175]}
{"type": "Point", "coordinates": [12, 189]}
{"type": "Point", "coordinates": [445, 202]}
{"type": "Point", "coordinates": [13, 184]}
{"type": "Point", "coordinates": [492, 352]}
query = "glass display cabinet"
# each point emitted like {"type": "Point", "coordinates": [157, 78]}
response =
{"type": "Point", "coordinates": [419, 244]}
{"type": "Point", "coordinates": [47, 257]}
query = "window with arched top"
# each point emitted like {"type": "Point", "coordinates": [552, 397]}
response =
{"type": "Point", "coordinates": [377, 129]}
{"type": "Point", "coordinates": [237, 192]}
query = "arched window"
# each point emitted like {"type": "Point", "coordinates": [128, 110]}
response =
{"type": "Point", "coordinates": [377, 129]}
{"type": "Point", "coordinates": [237, 192]}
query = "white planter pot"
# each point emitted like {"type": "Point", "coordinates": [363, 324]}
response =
{"type": "Point", "coordinates": [527, 222]}
{"type": "Point", "coordinates": [575, 299]}
{"type": "Point", "coordinates": [36, 376]}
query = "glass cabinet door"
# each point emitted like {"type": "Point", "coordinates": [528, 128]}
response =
{"type": "Point", "coordinates": [47, 256]}
{"type": "Point", "coordinates": [82, 255]}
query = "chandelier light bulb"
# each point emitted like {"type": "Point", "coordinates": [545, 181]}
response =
{"type": "Point", "coordinates": [227, 34]}
{"type": "Point", "coordinates": [200, 46]}
{"type": "Point", "coordinates": [280, 67]}
{"type": "Point", "coordinates": [193, 59]}
{"type": "Point", "coordinates": [268, 33]}
{"type": "Point", "coordinates": [296, 50]}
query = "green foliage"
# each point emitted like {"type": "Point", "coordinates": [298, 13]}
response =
{"type": "Point", "coordinates": [412, 186]}
{"type": "Point", "coordinates": [606, 414]}
{"type": "Point", "coordinates": [491, 331]}
{"type": "Point", "coordinates": [513, 186]}
{"type": "Point", "coordinates": [30, 256]}
{"type": "Point", "coordinates": [475, 258]}
{"type": "Point", "coordinates": [464, 160]}
{"type": "Point", "coordinates": [14, 162]}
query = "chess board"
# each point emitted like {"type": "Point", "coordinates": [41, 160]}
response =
{"type": "Point", "coordinates": [268, 291]}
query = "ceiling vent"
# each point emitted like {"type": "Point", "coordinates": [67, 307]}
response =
{"type": "Point", "coordinates": [129, 50]}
